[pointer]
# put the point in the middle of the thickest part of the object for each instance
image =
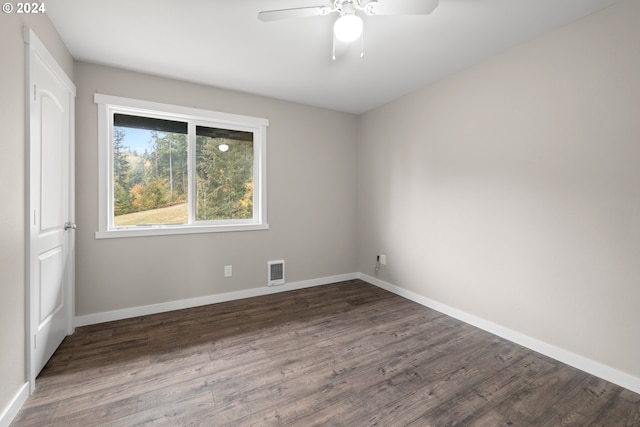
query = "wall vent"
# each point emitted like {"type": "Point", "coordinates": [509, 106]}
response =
{"type": "Point", "coordinates": [275, 273]}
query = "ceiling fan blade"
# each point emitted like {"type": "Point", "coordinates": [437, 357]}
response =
{"type": "Point", "coordinates": [298, 12]}
{"type": "Point", "coordinates": [401, 7]}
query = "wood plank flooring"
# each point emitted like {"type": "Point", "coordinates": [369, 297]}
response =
{"type": "Point", "coordinates": [346, 354]}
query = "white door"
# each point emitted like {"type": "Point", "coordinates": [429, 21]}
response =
{"type": "Point", "coordinates": [51, 239]}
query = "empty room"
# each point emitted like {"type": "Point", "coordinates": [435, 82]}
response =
{"type": "Point", "coordinates": [334, 212]}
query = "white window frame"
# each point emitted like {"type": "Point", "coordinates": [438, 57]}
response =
{"type": "Point", "coordinates": [109, 105]}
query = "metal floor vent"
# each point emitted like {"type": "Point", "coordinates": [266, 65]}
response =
{"type": "Point", "coordinates": [276, 273]}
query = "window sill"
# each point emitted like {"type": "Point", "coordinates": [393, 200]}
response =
{"type": "Point", "coordinates": [176, 230]}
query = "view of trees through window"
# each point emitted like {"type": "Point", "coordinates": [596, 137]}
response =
{"type": "Point", "coordinates": [224, 174]}
{"type": "Point", "coordinates": [151, 172]}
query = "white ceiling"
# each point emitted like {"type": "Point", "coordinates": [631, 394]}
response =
{"type": "Point", "coordinates": [221, 43]}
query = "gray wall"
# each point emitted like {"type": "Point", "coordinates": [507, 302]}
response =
{"type": "Point", "coordinates": [511, 190]}
{"type": "Point", "coordinates": [12, 174]}
{"type": "Point", "coordinates": [311, 184]}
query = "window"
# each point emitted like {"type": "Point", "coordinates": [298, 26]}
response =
{"type": "Point", "coordinates": [167, 169]}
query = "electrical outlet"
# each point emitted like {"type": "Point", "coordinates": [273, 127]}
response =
{"type": "Point", "coordinates": [228, 271]}
{"type": "Point", "coordinates": [383, 259]}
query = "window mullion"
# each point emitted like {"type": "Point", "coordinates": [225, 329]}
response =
{"type": "Point", "coordinates": [191, 160]}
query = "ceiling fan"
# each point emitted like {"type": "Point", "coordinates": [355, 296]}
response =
{"type": "Point", "coordinates": [348, 26]}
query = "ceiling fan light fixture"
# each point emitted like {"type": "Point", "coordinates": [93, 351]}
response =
{"type": "Point", "coordinates": [348, 27]}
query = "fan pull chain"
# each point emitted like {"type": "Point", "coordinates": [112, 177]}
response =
{"type": "Point", "coordinates": [333, 54]}
{"type": "Point", "coordinates": [362, 44]}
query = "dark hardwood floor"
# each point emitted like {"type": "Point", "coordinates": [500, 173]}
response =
{"type": "Point", "coordinates": [347, 354]}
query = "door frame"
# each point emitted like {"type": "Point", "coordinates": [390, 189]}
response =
{"type": "Point", "coordinates": [34, 47]}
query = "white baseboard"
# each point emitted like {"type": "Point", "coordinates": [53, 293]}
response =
{"type": "Point", "coordinates": [126, 313]}
{"type": "Point", "coordinates": [10, 412]}
{"type": "Point", "coordinates": [584, 364]}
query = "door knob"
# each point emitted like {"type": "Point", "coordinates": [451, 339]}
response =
{"type": "Point", "coordinates": [69, 226]}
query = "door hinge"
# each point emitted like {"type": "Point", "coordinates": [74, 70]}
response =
{"type": "Point", "coordinates": [35, 341]}
{"type": "Point", "coordinates": [34, 93]}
